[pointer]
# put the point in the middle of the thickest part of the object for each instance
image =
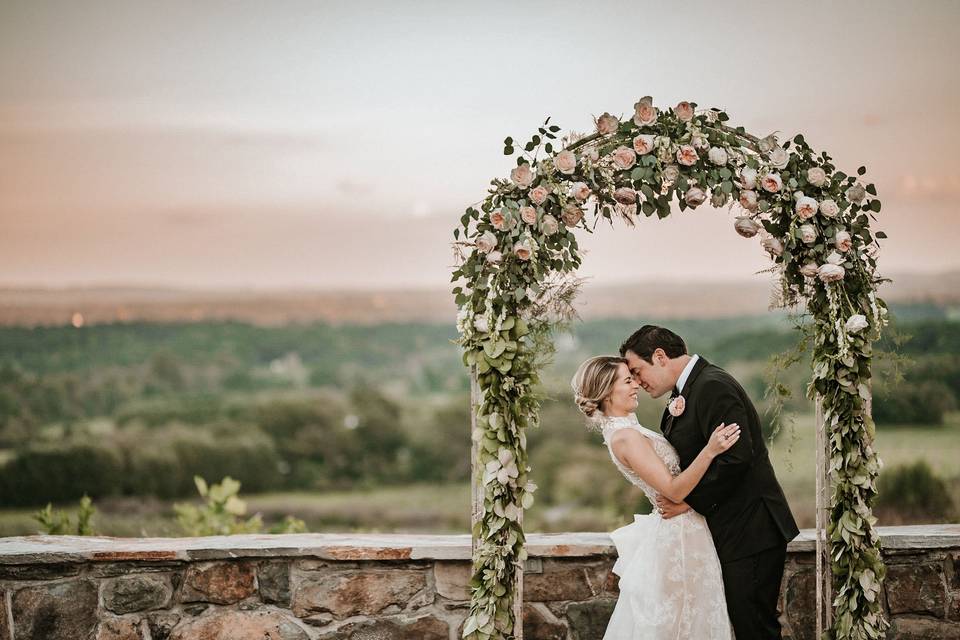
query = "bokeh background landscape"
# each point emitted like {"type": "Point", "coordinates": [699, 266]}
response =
{"type": "Point", "coordinates": [225, 246]}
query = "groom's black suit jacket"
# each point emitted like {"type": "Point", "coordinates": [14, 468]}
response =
{"type": "Point", "coordinates": [739, 495]}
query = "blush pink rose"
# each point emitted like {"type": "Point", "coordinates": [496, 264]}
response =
{"type": "Point", "coordinates": [772, 245]}
{"type": "Point", "coordinates": [565, 162]}
{"type": "Point", "coordinates": [806, 208]}
{"type": "Point", "coordinates": [677, 406]}
{"type": "Point", "coordinates": [624, 158]}
{"type": "Point", "coordinates": [809, 269]}
{"type": "Point", "coordinates": [684, 111]}
{"type": "Point", "coordinates": [746, 226]}
{"type": "Point", "coordinates": [549, 225]}
{"type": "Point", "coordinates": [625, 195]}
{"type": "Point", "coordinates": [498, 220]}
{"type": "Point", "coordinates": [695, 196]}
{"type": "Point", "coordinates": [522, 176]}
{"type": "Point", "coordinates": [607, 124]}
{"type": "Point", "coordinates": [808, 233]}
{"type": "Point", "coordinates": [528, 215]}
{"type": "Point", "coordinates": [643, 144]}
{"type": "Point", "coordinates": [571, 215]}
{"type": "Point", "coordinates": [539, 195]}
{"type": "Point", "coordinates": [779, 158]}
{"type": "Point", "coordinates": [645, 114]}
{"type": "Point", "coordinates": [486, 242]}
{"type": "Point", "coordinates": [580, 191]}
{"type": "Point", "coordinates": [816, 176]}
{"type": "Point", "coordinates": [495, 257]}
{"type": "Point", "coordinates": [843, 242]}
{"type": "Point", "coordinates": [771, 182]}
{"type": "Point", "coordinates": [829, 208]}
{"type": "Point", "coordinates": [687, 155]}
{"type": "Point", "coordinates": [748, 200]}
{"type": "Point", "coordinates": [831, 272]}
{"type": "Point", "coordinates": [523, 249]}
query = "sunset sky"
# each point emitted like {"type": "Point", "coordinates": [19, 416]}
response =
{"type": "Point", "coordinates": [334, 145]}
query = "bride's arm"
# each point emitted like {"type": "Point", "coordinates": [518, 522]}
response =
{"type": "Point", "coordinates": [635, 451]}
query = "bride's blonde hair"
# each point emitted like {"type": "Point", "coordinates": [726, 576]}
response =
{"type": "Point", "coordinates": [593, 383]}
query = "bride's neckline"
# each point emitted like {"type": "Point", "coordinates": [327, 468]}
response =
{"type": "Point", "coordinates": [620, 421]}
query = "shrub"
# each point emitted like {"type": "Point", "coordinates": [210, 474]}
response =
{"type": "Point", "coordinates": [923, 403]}
{"type": "Point", "coordinates": [58, 522]}
{"type": "Point", "coordinates": [913, 494]}
{"type": "Point", "coordinates": [223, 513]}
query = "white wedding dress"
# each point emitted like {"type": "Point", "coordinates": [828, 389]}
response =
{"type": "Point", "coordinates": [670, 581]}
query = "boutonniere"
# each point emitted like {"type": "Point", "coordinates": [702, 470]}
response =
{"type": "Point", "coordinates": [676, 406]}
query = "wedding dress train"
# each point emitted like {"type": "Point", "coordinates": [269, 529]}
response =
{"type": "Point", "coordinates": [671, 586]}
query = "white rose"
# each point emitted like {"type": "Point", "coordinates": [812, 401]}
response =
{"type": "Point", "coordinates": [835, 258]}
{"type": "Point", "coordinates": [524, 249]}
{"type": "Point", "coordinates": [670, 173]}
{"type": "Point", "coordinates": [718, 156]}
{"type": "Point", "coordinates": [843, 242]}
{"type": "Point", "coordinates": [816, 176]}
{"type": "Point", "coordinates": [522, 176]}
{"type": "Point", "coordinates": [684, 111]}
{"type": "Point", "coordinates": [645, 114]}
{"type": "Point", "coordinates": [528, 215]}
{"type": "Point", "coordinates": [806, 208]}
{"type": "Point", "coordinates": [829, 208]}
{"type": "Point", "coordinates": [831, 272]}
{"type": "Point", "coordinates": [746, 226]}
{"type": "Point", "coordinates": [591, 154]}
{"type": "Point", "coordinates": [480, 324]}
{"type": "Point", "coordinates": [771, 182]}
{"type": "Point", "coordinates": [624, 158]}
{"type": "Point", "coordinates": [808, 233]}
{"type": "Point", "coordinates": [565, 162]}
{"type": "Point", "coordinates": [809, 269]}
{"type": "Point", "coordinates": [748, 200]}
{"type": "Point", "coordinates": [494, 257]}
{"type": "Point", "coordinates": [748, 178]}
{"type": "Point", "coordinates": [779, 157]}
{"type": "Point", "coordinates": [571, 215]}
{"type": "Point", "coordinates": [487, 242]}
{"type": "Point", "coordinates": [695, 196]}
{"type": "Point", "coordinates": [549, 225]}
{"type": "Point", "coordinates": [856, 323]}
{"type": "Point", "coordinates": [700, 142]}
{"type": "Point", "coordinates": [539, 194]}
{"type": "Point", "coordinates": [856, 194]}
{"type": "Point", "coordinates": [580, 191]}
{"type": "Point", "coordinates": [625, 195]}
{"type": "Point", "coordinates": [607, 124]}
{"type": "Point", "coordinates": [771, 245]}
{"type": "Point", "coordinates": [643, 144]}
{"type": "Point", "coordinates": [687, 155]}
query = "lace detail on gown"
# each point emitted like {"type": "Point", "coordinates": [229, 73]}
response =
{"type": "Point", "coordinates": [671, 586]}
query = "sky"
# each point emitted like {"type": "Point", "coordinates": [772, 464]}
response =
{"type": "Point", "coordinates": [334, 145]}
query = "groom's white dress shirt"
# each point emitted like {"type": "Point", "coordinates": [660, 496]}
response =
{"type": "Point", "coordinates": [682, 380]}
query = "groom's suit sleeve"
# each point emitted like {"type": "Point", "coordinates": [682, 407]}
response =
{"type": "Point", "coordinates": [719, 403]}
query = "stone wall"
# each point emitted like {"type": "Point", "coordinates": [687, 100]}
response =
{"type": "Point", "coordinates": [380, 587]}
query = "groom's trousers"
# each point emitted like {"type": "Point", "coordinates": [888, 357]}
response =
{"type": "Point", "coordinates": [752, 588]}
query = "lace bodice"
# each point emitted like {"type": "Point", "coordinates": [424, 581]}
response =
{"type": "Point", "coordinates": [661, 447]}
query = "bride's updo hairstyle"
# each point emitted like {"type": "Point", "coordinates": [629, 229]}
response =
{"type": "Point", "coordinates": [592, 384]}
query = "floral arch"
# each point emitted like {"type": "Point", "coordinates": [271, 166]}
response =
{"type": "Point", "coordinates": [518, 250]}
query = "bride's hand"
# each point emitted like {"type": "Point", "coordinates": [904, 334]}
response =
{"type": "Point", "coordinates": [722, 439]}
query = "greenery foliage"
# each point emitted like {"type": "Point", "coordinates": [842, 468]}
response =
{"type": "Point", "coordinates": [55, 523]}
{"type": "Point", "coordinates": [223, 513]}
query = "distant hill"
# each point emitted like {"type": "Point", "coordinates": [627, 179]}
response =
{"type": "Point", "coordinates": [30, 307]}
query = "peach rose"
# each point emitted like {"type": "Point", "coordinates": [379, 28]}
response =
{"type": "Point", "coordinates": [487, 242]}
{"type": "Point", "coordinates": [829, 208]}
{"type": "Point", "coordinates": [607, 124]}
{"type": "Point", "coordinates": [528, 215]}
{"type": "Point", "coordinates": [643, 144]}
{"type": "Point", "coordinates": [624, 158]}
{"type": "Point", "coordinates": [580, 191]}
{"type": "Point", "coordinates": [687, 155]}
{"type": "Point", "coordinates": [771, 182]}
{"type": "Point", "coordinates": [684, 111]}
{"type": "Point", "coordinates": [748, 200]}
{"type": "Point", "coordinates": [565, 162]}
{"type": "Point", "coordinates": [524, 249]}
{"type": "Point", "coordinates": [843, 242]}
{"type": "Point", "coordinates": [677, 406]}
{"type": "Point", "coordinates": [625, 195]}
{"type": "Point", "coordinates": [746, 226]}
{"type": "Point", "coordinates": [831, 272]}
{"type": "Point", "coordinates": [571, 215]}
{"type": "Point", "coordinates": [522, 176]}
{"type": "Point", "coordinates": [806, 208]}
{"type": "Point", "coordinates": [645, 114]}
{"type": "Point", "coordinates": [718, 156]}
{"type": "Point", "coordinates": [695, 196]}
{"type": "Point", "coordinates": [808, 233]}
{"type": "Point", "coordinates": [549, 225]}
{"type": "Point", "coordinates": [498, 220]}
{"type": "Point", "coordinates": [816, 176]}
{"type": "Point", "coordinates": [539, 194]}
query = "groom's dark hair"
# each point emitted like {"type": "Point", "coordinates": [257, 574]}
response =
{"type": "Point", "coordinates": [649, 338]}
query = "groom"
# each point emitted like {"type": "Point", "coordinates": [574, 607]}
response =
{"type": "Point", "coordinates": [739, 495]}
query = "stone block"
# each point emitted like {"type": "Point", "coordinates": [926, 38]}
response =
{"type": "Point", "coordinates": [560, 580]}
{"type": "Point", "coordinates": [4, 621]}
{"type": "Point", "coordinates": [240, 625]}
{"type": "Point", "coordinates": [61, 611]}
{"type": "Point", "coordinates": [118, 629]}
{"type": "Point", "coordinates": [800, 605]}
{"type": "Point", "coordinates": [452, 579]}
{"type": "Point", "coordinates": [51, 571]}
{"type": "Point", "coordinates": [351, 593]}
{"type": "Point", "coordinates": [916, 588]}
{"type": "Point", "coordinates": [161, 624]}
{"type": "Point", "coordinates": [273, 579]}
{"type": "Point", "coordinates": [132, 593]}
{"type": "Point", "coordinates": [919, 628]}
{"type": "Point", "coordinates": [219, 583]}
{"type": "Point", "coordinates": [588, 620]}
{"type": "Point", "coordinates": [540, 624]}
{"type": "Point", "coordinates": [399, 628]}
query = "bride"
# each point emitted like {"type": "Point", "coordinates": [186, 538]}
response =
{"type": "Point", "coordinates": [670, 580]}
